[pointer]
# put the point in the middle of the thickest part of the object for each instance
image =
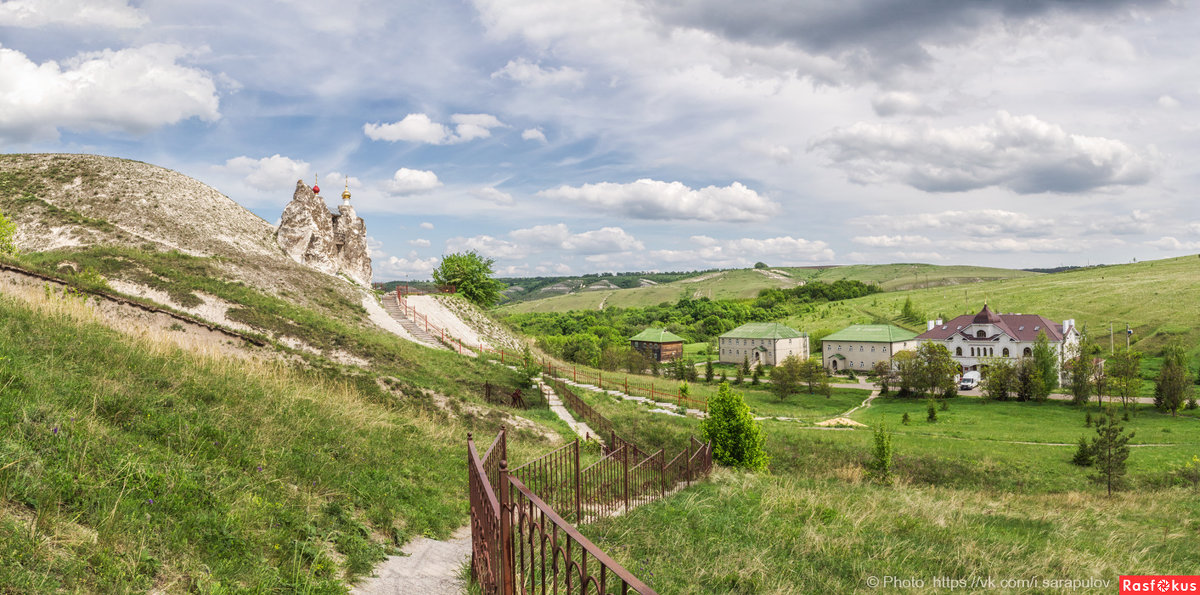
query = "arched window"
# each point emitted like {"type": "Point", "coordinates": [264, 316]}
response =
{"type": "Point", "coordinates": [958, 351]}
{"type": "Point", "coordinates": [1005, 352]}
{"type": "Point", "coordinates": [1028, 352]}
{"type": "Point", "coordinates": [980, 333]}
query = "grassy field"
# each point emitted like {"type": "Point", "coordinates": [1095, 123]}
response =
{"type": "Point", "coordinates": [986, 491]}
{"type": "Point", "coordinates": [129, 465]}
{"type": "Point", "coordinates": [746, 283]}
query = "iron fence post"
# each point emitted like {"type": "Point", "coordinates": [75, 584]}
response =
{"type": "Point", "coordinates": [662, 472]}
{"type": "Point", "coordinates": [625, 466]}
{"type": "Point", "coordinates": [687, 460]}
{"type": "Point", "coordinates": [578, 508]}
{"type": "Point", "coordinates": [507, 585]}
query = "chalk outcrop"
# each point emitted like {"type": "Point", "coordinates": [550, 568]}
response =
{"type": "Point", "coordinates": [332, 243]}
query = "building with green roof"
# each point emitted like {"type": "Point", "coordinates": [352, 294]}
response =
{"type": "Point", "coordinates": [858, 347]}
{"type": "Point", "coordinates": [763, 343]}
{"type": "Point", "coordinates": [658, 344]}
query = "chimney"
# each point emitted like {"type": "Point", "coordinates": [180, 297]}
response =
{"type": "Point", "coordinates": [937, 322]}
{"type": "Point", "coordinates": [929, 325]}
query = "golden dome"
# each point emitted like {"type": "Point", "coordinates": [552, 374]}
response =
{"type": "Point", "coordinates": [346, 192]}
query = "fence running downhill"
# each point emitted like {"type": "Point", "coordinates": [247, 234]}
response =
{"type": "Point", "coordinates": [523, 533]}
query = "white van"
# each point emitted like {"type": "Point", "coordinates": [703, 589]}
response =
{"type": "Point", "coordinates": [969, 381]}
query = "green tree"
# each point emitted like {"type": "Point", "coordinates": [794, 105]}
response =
{"type": "Point", "coordinates": [1124, 371]}
{"type": "Point", "coordinates": [884, 375]}
{"type": "Point", "coordinates": [1083, 453]}
{"type": "Point", "coordinates": [1173, 386]}
{"type": "Point", "coordinates": [1110, 449]}
{"type": "Point", "coordinates": [8, 232]}
{"type": "Point", "coordinates": [760, 265]}
{"type": "Point", "coordinates": [745, 366]}
{"type": "Point", "coordinates": [708, 370]}
{"type": "Point", "coordinates": [813, 375]}
{"type": "Point", "coordinates": [471, 275]}
{"type": "Point", "coordinates": [786, 377]}
{"type": "Point", "coordinates": [931, 412]}
{"type": "Point", "coordinates": [909, 313]}
{"type": "Point", "coordinates": [737, 440]}
{"type": "Point", "coordinates": [999, 379]}
{"type": "Point", "coordinates": [739, 378]}
{"type": "Point", "coordinates": [882, 455]}
{"type": "Point", "coordinates": [1029, 380]}
{"type": "Point", "coordinates": [907, 372]}
{"type": "Point", "coordinates": [1047, 363]}
{"type": "Point", "coordinates": [936, 370]}
{"type": "Point", "coordinates": [1080, 377]}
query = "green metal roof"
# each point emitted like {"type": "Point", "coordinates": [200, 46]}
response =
{"type": "Point", "coordinates": [657, 335]}
{"type": "Point", "coordinates": [838, 356]}
{"type": "Point", "coordinates": [872, 333]}
{"type": "Point", "coordinates": [763, 330]}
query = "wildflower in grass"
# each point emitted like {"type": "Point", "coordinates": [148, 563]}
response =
{"type": "Point", "coordinates": [54, 431]}
{"type": "Point", "coordinates": [260, 467]}
{"type": "Point", "coordinates": [150, 500]}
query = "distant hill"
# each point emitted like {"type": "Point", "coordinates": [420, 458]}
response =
{"type": "Point", "coordinates": [746, 283]}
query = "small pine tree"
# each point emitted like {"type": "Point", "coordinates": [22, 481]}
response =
{"type": "Point", "coordinates": [745, 366]}
{"type": "Point", "coordinates": [708, 371]}
{"type": "Point", "coordinates": [1110, 449]}
{"type": "Point", "coordinates": [739, 378]}
{"type": "Point", "coordinates": [737, 440]}
{"type": "Point", "coordinates": [1083, 455]}
{"type": "Point", "coordinates": [945, 405]}
{"type": "Point", "coordinates": [882, 455]}
{"type": "Point", "coordinates": [904, 420]}
{"type": "Point", "coordinates": [756, 375]}
{"type": "Point", "coordinates": [723, 379]}
{"type": "Point", "coordinates": [931, 413]}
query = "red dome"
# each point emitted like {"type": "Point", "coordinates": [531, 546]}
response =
{"type": "Point", "coordinates": [316, 189]}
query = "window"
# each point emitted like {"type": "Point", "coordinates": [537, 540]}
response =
{"type": "Point", "coordinates": [980, 333]}
{"type": "Point", "coordinates": [860, 348]}
{"type": "Point", "coordinates": [1005, 352]}
{"type": "Point", "coordinates": [872, 349]}
{"type": "Point", "coordinates": [1028, 352]}
{"type": "Point", "coordinates": [958, 351]}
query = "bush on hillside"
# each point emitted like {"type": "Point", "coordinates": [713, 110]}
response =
{"type": "Point", "coordinates": [471, 275]}
{"type": "Point", "coordinates": [737, 440]}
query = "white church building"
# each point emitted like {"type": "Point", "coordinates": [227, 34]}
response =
{"type": "Point", "coordinates": [974, 339]}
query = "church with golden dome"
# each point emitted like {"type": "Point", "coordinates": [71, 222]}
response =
{"type": "Point", "coordinates": [335, 243]}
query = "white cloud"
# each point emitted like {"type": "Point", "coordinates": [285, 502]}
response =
{"type": "Point", "coordinates": [542, 235]}
{"type": "Point", "coordinates": [132, 90]}
{"type": "Point", "coordinates": [652, 199]}
{"type": "Point", "coordinates": [745, 251]}
{"type": "Point", "coordinates": [601, 241]}
{"type": "Point", "coordinates": [985, 222]}
{"type": "Point", "coordinates": [534, 134]}
{"type": "Point", "coordinates": [1172, 244]}
{"type": "Point", "coordinates": [492, 194]}
{"type": "Point", "coordinates": [532, 74]}
{"type": "Point", "coordinates": [1168, 102]}
{"type": "Point", "coordinates": [1021, 153]}
{"type": "Point", "coordinates": [374, 248]}
{"type": "Point", "coordinates": [419, 128]}
{"type": "Point", "coordinates": [891, 241]}
{"type": "Point", "coordinates": [426, 225]}
{"type": "Point", "coordinates": [420, 242]}
{"type": "Point", "coordinates": [412, 266]}
{"type": "Point", "coordinates": [487, 246]}
{"type": "Point", "coordinates": [115, 14]}
{"type": "Point", "coordinates": [412, 181]}
{"type": "Point", "coordinates": [1013, 245]}
{"type": "Point", "coordinates": [550, 238]}
{"type": "Point", "coordinates": [275, 174]}
{"type": "Point", "coordinates": [1194, 227]}
{"type": "Point", "coordinates": [777, 153]}
{"type": "Point", "coordinates": [894, 103]}
{"type": "Point", "coordinates": [1136, 222]}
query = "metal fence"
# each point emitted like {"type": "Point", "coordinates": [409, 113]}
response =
{"type": "Point", "coordinates": [523, 520]}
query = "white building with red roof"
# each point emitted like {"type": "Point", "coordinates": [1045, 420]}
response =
{"type": "Point", "coordinates": [974, 339]}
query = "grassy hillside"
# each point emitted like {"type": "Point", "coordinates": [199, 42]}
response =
{"type": "Point", "coordinates": [746, 283]}
{"type": "Point", "coordinates": [1155, 297]}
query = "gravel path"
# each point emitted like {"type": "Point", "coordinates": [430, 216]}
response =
{"type": "Point", "coordinates": [429, 307]}
{"type": "Point", "coordinates": [429, 567]}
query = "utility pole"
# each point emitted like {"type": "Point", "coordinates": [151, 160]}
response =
{"type": "Point", "coordinates": [1112, 350]}
{"type": "Point", "coordinates": [1128, 332]}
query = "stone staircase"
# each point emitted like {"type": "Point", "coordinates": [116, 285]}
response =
{"type": "Point", "coordinates": [393, 309]}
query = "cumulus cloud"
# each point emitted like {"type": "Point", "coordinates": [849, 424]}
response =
{"type": "Point", "coordinates": [1172, 244]}
{"type": "Point", "coordinates": [870, 35]}
{"type": "Point", "coordinates": [488, 246]}
{"type": "Point", "coordinates": [426, 225]}
{"type": "Point", "coordinates": [374, 248]}
{"type": "Point", "coordinates": [420, 242]}
{"type": "Point", "coordinates": [532, 74]}
{"type": "Point", "coordinates": [777, 153]}
{"type": "Point", "coordinates": [270, 174]}
{"type": "Point", "coordinates": [994, 245]}
{"type": "Point", "coordinates": [420, 128]}
{"type": "Point", "coordinates": [601, 241]}
{"type": "Point", "coordinates": [1021, 153]}
{"type": "Point", "coordinates": [132, 90]}
{"type": "Point", "coordinates": [1168, 102]}
{"type": "Point", "coordinates": [534, 134]}
{"type": "Point", "coordinates": [893, 103]}
{"type": "Point", "coordinates": [1136, 222]}
{"type": "Point", "coordinates": [114, 14]}
{"type": "Point", "coordinates": [652, 199]}
{"type": "Point", "coordinates": [412, 266]}
{"type": "Point", "coordinates": [745, 251]}
{"type": "Point", "coordinates": [412, 181]}
{"type": "Point", "coordinates": [980, 222]}
{"type": "Point", "coordinates": [492, 194]}
{"type": "Point", "coordinates": [886, 241]}
{"type": "Point", "coordinates": [550, 238]}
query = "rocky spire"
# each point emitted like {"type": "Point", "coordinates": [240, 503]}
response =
{"type": "Point", "coordinates": [330, 243]}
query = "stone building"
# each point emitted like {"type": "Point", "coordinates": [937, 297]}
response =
{"type": "Point", "coordinates": [334, 243]}
{"type": "Point", "coordinates": [975, 339]}
{"type": "Point", "coordinates": [764, 343]}
{"type": "Point", "coordinates": [858, 347]}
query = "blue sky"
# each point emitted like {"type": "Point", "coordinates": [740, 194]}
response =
{"type": "Point", "coordinates": [612, 135]}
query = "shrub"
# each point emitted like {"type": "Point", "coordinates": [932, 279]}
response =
{"type": "Point", "coordinates": [8, 230]}
{"type": "Point", "coordinates": [737, 440]}
{"type": "Point", "coordinates": [931, 412]}
{"type": "Point", "coordinates": [1087, 419]}
{"type": "Point", "coordinates": [1083, 455]}
{"type": "Point", "coordinates": [904, 420]}
{"type": "Point", "coordinates": [945, 405]}
{"type": "Point", "coordinates": [1189, 472]}
{"type": "Point", "coordinates": [882, 455]}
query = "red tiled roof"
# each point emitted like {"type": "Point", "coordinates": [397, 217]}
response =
{"type": "Point", "coordinates": [1021, 327]}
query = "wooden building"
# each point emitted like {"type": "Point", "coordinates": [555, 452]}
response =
{"type": "Point", "coordinates": [658, 344]}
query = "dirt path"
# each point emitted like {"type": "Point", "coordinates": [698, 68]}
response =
{"type": "Point", "coordinates": [580, 428]}
{"type": "Point", "coordinates": [428, 567]}
{"type": "Point", "coordinates": [604, 300]}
